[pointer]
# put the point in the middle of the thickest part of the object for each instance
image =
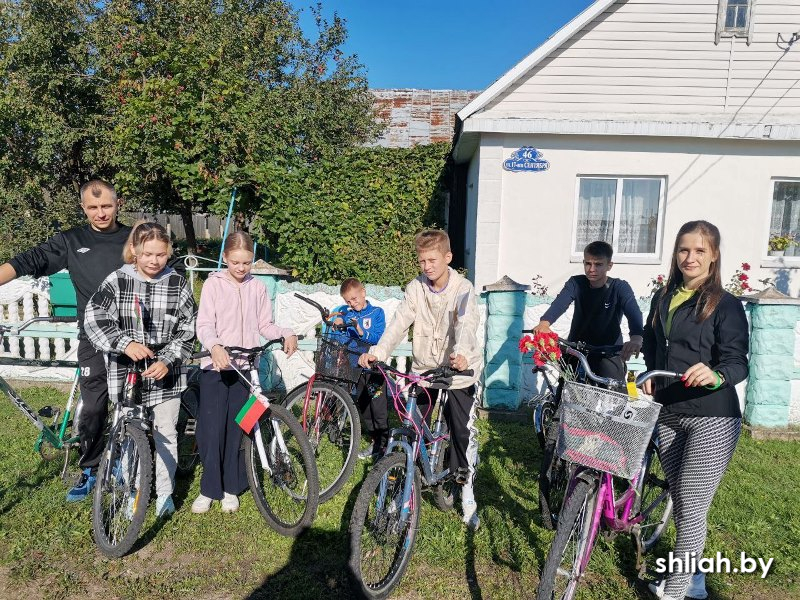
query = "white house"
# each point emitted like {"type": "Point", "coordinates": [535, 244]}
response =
{"type": "Point", "coordinates": [635, 117]}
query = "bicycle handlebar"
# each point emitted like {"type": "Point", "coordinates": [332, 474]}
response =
{"type": "Point", "coordinates": [16, 329]}
{"type": "Point", "coordinates": [440, 376]}
{"type": "Point", "coordinates": [616, 383]}
{"type": "Point", "coordinates": [326, 314]}
{"type": "Point", "coordinates": [239, 351]}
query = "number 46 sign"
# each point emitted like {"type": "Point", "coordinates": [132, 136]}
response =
{"type": "Point", "coordinates": [526, 158]}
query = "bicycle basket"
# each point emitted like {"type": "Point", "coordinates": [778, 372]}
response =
{"type": "Point", "coordinates": [605, 430]}
{"type": "Point", "coordinates": [337, 357]}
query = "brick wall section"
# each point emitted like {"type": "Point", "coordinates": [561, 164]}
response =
{"type": "Point", "coordinates": [418, 116]}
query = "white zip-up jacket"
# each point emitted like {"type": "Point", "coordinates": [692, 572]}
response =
{"type": "Point", "coordinates": [444, 323]}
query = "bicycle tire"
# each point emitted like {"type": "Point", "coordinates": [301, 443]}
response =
{"type": "Point", "coordinates": [553, 479]}
{"type": "Point", "coordinates": [549, 410]}
{"type": "Point", "coordinates": [653, 498]}
{"type": "Point", "coordinates": [562, 570]}
{"type": "Point", "coordinates": [370, 523]}
{"type": "Point", "coordinates": [188, 453]}
{"type": "Point", "coordinates": [287, 497]}
{"type": "Point", "coordinates": [114, 493]}
{"type": "Point", "coordinates": [334, 436]}
{"type": "Point", "coordinates": [444, 492]}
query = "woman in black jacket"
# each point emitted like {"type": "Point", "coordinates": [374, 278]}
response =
{"type": "Point", "coordinates": [698, 329]}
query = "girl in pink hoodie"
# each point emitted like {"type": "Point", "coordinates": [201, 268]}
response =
{"type": "Point", "coordinates": [234, 310]}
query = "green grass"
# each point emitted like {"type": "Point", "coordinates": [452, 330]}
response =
{"type": "Point", "coordinates": [46, 547]}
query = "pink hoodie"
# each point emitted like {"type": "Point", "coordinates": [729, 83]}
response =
{"type": "Point", "coordinates": [233, 314]}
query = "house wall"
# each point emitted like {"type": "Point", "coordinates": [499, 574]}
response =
{"type": "Point", "coordinates": [659, 57]}
{"type": "Point", "coordinates": [531, 214]}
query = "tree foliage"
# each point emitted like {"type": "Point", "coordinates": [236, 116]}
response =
{"type": "Point", "coordinates": [48, 108]}
{"type": "Point", "coordinates": [355, 214]}
{"type": "Point", "coordinates": [176, 101]}
{"type": "Point", "coordinates": [201, 95]}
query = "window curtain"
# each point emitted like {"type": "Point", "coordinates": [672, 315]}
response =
{"type": "Point", "coordinates": [595, 212]}
{"type": "Point", "coordinates": [639, 216]}
{"type": "Point", "coordinates": [785, 218]}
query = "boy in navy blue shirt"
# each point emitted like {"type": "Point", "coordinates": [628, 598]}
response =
{"type": "Point", "coordinates": [366, 324]}
{"type": "Point", "coordinates": [600, 302]}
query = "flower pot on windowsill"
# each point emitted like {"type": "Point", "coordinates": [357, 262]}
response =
{"type": "Point", "coordinates": [776, 252]}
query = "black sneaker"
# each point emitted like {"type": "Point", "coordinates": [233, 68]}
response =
{"type": "Point", "coordinates": [367, 453]}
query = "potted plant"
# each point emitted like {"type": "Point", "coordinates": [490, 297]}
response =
{"type": "Point", "coordinates": [779, 243]}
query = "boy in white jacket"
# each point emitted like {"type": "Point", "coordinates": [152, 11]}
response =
{"type": "Point", "coordinates": [441, 306]}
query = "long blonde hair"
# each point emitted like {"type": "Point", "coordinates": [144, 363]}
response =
{"type": "Point", "coordinates": [238, 240]}
{"type": "Point", "coordinates": [144, 231]}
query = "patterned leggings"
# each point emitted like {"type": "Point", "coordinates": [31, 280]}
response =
{"type": "Point", "coordinates": [694, 451]}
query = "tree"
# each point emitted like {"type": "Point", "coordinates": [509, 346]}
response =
{"type": "Point", "coordinates": [203, 96]}
{"type": "Point", "coordinates": [48, 105]}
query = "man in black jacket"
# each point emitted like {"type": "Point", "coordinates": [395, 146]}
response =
{"type": "Point", "coordinates": [89, 252]}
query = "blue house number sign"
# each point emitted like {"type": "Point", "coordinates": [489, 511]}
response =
{"type": "Point", "coordinates": [526, 158]}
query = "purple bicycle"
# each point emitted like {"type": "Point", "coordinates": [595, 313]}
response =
{"type": "Point", "coordinates": [607, 435]}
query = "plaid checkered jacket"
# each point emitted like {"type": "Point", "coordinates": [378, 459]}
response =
{"type": "Point", "coordinates": [168, 314]}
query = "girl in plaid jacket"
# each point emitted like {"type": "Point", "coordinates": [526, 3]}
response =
{"type": "Point", "coordinates": [145, 311]}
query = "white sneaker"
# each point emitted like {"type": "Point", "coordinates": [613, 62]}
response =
{"type": "Point", "coordinates": [657, 589]}
{"type": "Point", "coordinates": [201, 504]}
{"type": "Point", "coordinates": [697, 587]}
{"type": "Point", "coordinates": [230, 503]}
{"type": "Point", "coordinates": [471, 517]}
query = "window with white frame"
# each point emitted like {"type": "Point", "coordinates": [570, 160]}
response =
{"type": "Point", "coordinates": [785, 217]}
{"type": "Point", "coordinates": [734, 19]}
{"type": "Point", "coordinates": [626, 212]}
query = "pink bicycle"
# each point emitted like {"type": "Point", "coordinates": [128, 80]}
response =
{"type": "Point", "coordinates": [606, 435]}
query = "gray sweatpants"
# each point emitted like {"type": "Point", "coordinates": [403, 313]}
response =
{"type": "Point", "coordinates": [165, 436]}
{"type": "Point", "coordinates": [694, 451]}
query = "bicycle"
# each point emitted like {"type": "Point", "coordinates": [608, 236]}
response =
{"type": "Point", "coordinates": [278, 456]}
{"type": "Point", "coordinates": [61, 435]}
{"type": "Point", "coordinates": [385, 519]}
{"type": "Point", "coordinates": [325, 407]}
{"type": "Point", "coordinates": [606, 434]}
{"type": "Point", "coordinates": [553, 471]}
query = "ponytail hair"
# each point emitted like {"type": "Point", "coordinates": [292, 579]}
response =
{"type": "Point", "coordinates": [238, 240]}
{"type": "Point", "coordinates": [144, 231]}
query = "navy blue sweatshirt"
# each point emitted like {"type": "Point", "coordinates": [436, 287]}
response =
{"type": "Point", "coordinates": [598, 311]}
{"type": "Point", "coordinates": [89, 256]}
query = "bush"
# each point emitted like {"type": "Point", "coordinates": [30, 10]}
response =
{"type": "Point", "coordinates": [354, 215]}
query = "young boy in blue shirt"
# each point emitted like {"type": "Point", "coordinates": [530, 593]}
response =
{"type": "Point", "coordinates": [600, 303]}
{"type": "Point", "coordinates": [365, 327]}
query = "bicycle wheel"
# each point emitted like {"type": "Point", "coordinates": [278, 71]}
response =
{"type": "Point", "coordinates": [548, 412]}
{"type": "Point", "coordinates": [282, 472]}
{"type": "Point", "coordinates": [570, 550]}
{"type": "Point", "coordinates": [188, 454]}
{"type": "Point", "coordinates": [553, 479]}
{"type": "Point", "coordinates": [380, 544]}
{"type": "Point", "coordinates": [445, 491]}
{"type": "Point", "coordinates": [652, 500]}
{"type": "Point", "coordinates": [333, 427]}
{"type": "Point", "coordinates": [122, 491]}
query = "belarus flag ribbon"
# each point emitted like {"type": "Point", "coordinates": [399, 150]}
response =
{"type": "Point", "coordinates": [251, 412]}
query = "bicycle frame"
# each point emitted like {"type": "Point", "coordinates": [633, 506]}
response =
{"type": "Point", "coordinates": [416, 429]}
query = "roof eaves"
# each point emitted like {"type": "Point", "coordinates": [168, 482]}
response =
{"type": "Point", "coordinates": [551, 44]}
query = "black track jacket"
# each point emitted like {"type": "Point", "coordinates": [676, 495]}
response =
{"type": "Point", "coordinates": [721, 342]}
{"type": "Point", "coordinates": [89, 256]}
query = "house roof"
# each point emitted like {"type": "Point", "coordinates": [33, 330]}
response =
{"type": "Point", "coordinates": [535, 57]}
{"type": "Point", "coordinates": [471, 123]}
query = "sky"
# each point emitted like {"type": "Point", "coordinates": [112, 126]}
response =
{"type": "Point", "coordinates": [462, 45]}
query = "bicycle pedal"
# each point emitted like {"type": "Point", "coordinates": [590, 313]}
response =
{"type": "Point", "coordinates": [46, 412]}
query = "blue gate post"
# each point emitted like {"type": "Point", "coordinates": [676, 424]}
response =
{"type": "Point", "coordinates": [503, 361]}
{"type": "Point", "coordinates": [773, 385]}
